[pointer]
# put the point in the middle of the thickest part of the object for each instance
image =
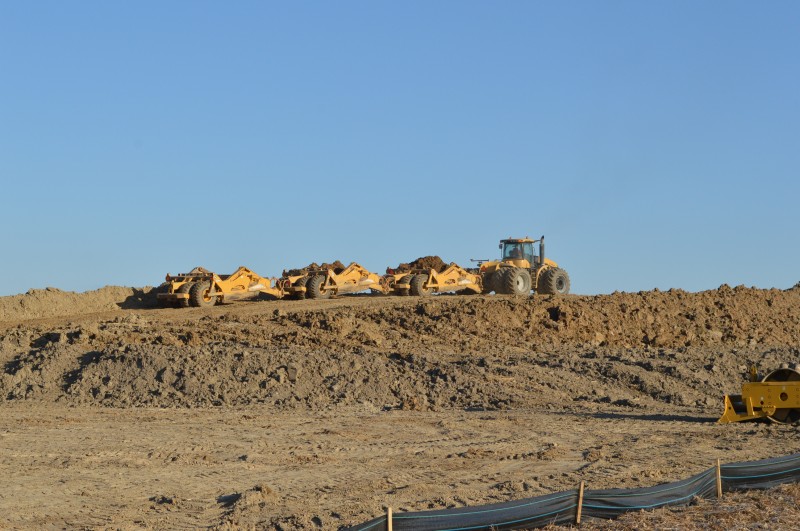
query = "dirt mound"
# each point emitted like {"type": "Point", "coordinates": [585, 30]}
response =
{"type": "Point", "coordinates": [336, 265]}
{"type": "Point", "coordinates": [424, 262]}
{"type": "Point", "coordinates": [52, 302]}
{"type": "Point", "coordinates": [443, 352]}
{"type": "Point", "coordinates": [243, 509]}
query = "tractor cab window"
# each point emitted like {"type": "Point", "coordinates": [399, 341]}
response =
{"type": "Point", "coordinates": [518, 251]}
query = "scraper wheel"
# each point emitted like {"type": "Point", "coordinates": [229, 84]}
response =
{"type": "Point", "coordinates": [184, 288]}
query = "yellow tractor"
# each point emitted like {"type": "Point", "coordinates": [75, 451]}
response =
{"type": "Point", "coordinates": [423, 282]}
{"type": "Point", "coordinates": [201, 287]}
{"type": "Point", "coordinates": [775, 396]}
{"type": "Point", "coordinates": [521, 269]}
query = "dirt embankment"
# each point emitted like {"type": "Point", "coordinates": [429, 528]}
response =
{"type": "Point", "coordinates": [484, 352]}
{"type": "Point", "coordinates": [52, 302]}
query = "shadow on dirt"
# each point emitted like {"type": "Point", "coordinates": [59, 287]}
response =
{"type": "Point", "coordinates": [143, 299]}
{"type": "Point", "coordinates": [84, 361]}
{"type": "Point", "coordinates": [228, 500]}
{"type": "Point", "coordinates": [655, 417]}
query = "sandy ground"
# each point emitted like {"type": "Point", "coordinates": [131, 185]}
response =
{"type": "Point", "coordinates": [89, 467]}
{"type": "Point", "coordinates": [320, 414]}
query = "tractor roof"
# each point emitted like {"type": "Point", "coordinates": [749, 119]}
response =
{"type": "Point", "coordinates": [518, 240]}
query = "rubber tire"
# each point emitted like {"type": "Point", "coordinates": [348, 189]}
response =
{"type": "Point", "coordinates": [553, 281]}
{"type": "Point", "coordinates": [784, 415]}
{"type": "Point", "coordinates": [197, 295]}
{"type": "Point", "coordinates": [418, 286]}
{"type": "Point", "coordinates": [516, 281]}
{"type": "Point", "coordinates": [404, 280]}
{"type": "Point", "coordinates": [314, 288]}
{"type": "Point", "coordinates": [184, 288]}
{"type": "Point", "coordinates": [490, 281]}
{"type": "Point", "coordinates": [498, 280]}
{"type": "Point", "coordinates": [300, 283]}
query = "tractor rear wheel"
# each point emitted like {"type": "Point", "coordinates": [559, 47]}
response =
{"type": "Point", "coordinates": [499, 281]}
{"type": "Point", "coordinates": [553, 281]}
{"type": "Point", "coordinates": [315, 290]}
{"type": "Point", "coordinates": [516, 281]}
{"type": "Point", "coordinates": [184, 288]}
{"type": "Point", "coordinates": [418, 288]}
{"type": "Point", "coordinates": [490, 281]}
{"type": "Point", "coordinates": [199, 295]}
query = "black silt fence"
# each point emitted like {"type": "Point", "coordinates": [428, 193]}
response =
{"type": "Point", "coordinates": [565, 507]}
{"type": "Point", "coordinates": [519, 514]}
{"type": "Point", "coordinates": [761, 474]}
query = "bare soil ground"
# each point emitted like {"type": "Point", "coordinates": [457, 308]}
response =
{"type": "Point", "coordinates": [319, 414]}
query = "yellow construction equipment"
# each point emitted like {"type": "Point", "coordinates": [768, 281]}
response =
{"type": "Point", "coordinates": [200, 287]}
{"type": "Point", "coordinates": [293, 286]}
{"type": "Point", "coordinates": [397, 282]}
{"type": "Point", "coordinates": [520, 270]}
{"type": "Point", "coordinates": [323, 283]}
{"type": "Point", "coordinates": [422, 282]}
{"type": "Point", "coordinates": [776, 397]}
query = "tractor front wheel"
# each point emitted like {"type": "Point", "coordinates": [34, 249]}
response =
{"type": "Point", "coordinates": [516, 281]}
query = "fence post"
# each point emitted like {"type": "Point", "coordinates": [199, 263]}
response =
{"type": "Point", "coordinates": [580, 504]}
{"type": "Point", "coordinates": [719, 479]}
{"type": "Point", "coordinates": [389, 519]}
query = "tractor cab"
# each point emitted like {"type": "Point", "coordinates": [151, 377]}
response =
{"type": "Point", "coordinates": [521, 268]}
{"type": "Point", "coordinates": [520, 252]}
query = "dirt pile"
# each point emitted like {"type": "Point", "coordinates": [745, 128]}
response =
{"type": "Point", "coordinates": [424, 262]}
{"type": "Point", "coordinates": [390, 353]}
{"type": "Point", "coordinates": [336, 265]}
{"type": "Point", "coordinates": [52, 302]}
{"type": "Point", "coordinates": [737, 317]}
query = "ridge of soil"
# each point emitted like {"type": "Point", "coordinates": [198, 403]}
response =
{"type": "Point", "coordinates": [53, 302]}
{"type": "Point", "coordinates": [440, 352]}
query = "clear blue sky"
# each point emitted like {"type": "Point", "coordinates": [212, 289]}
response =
{"type": "Point", "coordinates": [655, 144]}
